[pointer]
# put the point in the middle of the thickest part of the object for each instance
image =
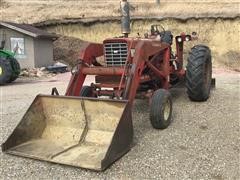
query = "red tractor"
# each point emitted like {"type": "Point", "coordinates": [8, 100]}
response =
{"type": "Point", "coordinates": [144, 67]}
{"type": "Point", "coordinates": [84, 130]}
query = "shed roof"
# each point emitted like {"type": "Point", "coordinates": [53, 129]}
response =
{"type": "Point", "coordinates": [28, 30]}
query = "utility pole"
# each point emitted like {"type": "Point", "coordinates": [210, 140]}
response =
{"type": "Point", "coordinates": [158, 2]}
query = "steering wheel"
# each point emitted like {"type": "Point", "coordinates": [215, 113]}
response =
{"type": "Point", "coordinates": [155, 29]}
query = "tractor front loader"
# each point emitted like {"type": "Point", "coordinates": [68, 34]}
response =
{"type": "Point", "coordinates": [91, 126]}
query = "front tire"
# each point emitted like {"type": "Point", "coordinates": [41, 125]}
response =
{"type": "Point", "coordinates": [161, 109]}
{"type": "Point", "coordinates": [87, 91]}
{"type": "Point", "coordinates": [199, 73]}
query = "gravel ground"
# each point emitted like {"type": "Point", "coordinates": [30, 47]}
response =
{"type": "Point", "coordinates": [202, 142]}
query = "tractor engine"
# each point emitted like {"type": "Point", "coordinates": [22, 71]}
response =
{"type": "Point", "coordinates": [115, 53]}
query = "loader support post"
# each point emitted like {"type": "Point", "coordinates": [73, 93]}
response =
{"type": "Point", "coordinates": [166, 68]}
{"type": "Point", "coordinates": [135, 73]}
{"type": "Point", "coordinates": [179, 48]}
{"type": "Point", "coordinates": [144, 50]}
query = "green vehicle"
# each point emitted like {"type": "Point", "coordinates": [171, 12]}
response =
{"type": "Point", "coordinates": [9, 67]}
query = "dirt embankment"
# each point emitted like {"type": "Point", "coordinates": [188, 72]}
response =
{"type": "Point", "coordinates": [66, 49]}
{"type": "Point", "coordinates": [34, 11]}
{"type": "Point", "coordinates": [216, 22]}
{"type": "Point", "coordinates": [221, 35]}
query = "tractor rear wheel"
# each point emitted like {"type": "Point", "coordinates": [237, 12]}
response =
{"type": "Point", "coordinates": [199, 73]}
{"type": "Point", "coordinates": [87, 91]}
{"type": "Point", "coordinates": [5, 71]}
{"type": "Point", "coordinates": [16, 69]}
{"type": "Point", "coordinates": [161, 109]}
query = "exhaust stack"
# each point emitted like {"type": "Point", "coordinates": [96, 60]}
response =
{"type": "Point", "coordinates": [125, 20]}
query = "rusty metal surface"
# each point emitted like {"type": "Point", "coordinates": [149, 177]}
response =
{"type": "Point", "coordinates": [125, 19]}
{"type": "Point", "coordinates": [89, 52]}
{"type": "Point", "coordinates": [107, 71]}
{"type": "Point", "coordinates": [107, 79]}
{"type": "Point", "coordinates": [72, 131]}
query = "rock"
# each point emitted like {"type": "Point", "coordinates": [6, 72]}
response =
{"type": "Point", "coordinates": [42, 68]}
{"type": "Point", "coordinates": [39, 74]}
{"type": "Point", "coordinates": [24, 73]}
{"type": "Point", "coordinates": [31, 74]}
{"type": "Point", "coordinates": [34, 70]}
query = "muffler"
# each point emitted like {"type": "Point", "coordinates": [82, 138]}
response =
{"type": "Point", "coordinates": [83, 132]}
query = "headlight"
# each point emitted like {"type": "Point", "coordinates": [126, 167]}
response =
{"type": "Point", "coordinates": [179, 39]}
{"type": "Point", "coordinates": [187, 38]}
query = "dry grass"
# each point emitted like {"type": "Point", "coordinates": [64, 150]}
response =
{"type": "Point", "coordinates": [219, 35]}
{"type": "Point", "coordinates": [32, 11]}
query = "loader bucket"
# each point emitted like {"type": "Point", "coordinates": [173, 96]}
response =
{"type": "Point", "coordinates": [83, 132]}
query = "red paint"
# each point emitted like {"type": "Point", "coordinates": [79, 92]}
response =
{"type": "Point", "coordinates": [151, 61]}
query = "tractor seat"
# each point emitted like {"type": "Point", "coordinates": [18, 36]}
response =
{"type": "Point", "coordinates": [167, 37]}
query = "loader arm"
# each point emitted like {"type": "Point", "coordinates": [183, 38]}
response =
{"type": "Point", "coordinates": [144, 50]}
{"type": "Point", "coordinates": [88, 53]}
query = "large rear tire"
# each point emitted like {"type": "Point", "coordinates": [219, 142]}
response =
{"type": "Point", "coordinates": [161, 109]}
{"type": "Point", "coordinates": [16, 69]}
{"type": "Point", "coordinates": [5, 71]}
{"type": "Point", "coordinates": [199, 73]}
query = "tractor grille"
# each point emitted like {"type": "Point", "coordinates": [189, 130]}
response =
{"type": "Point", "coordinates": [116, 53]}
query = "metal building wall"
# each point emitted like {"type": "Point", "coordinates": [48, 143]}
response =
{"type": "Point", "coordinates": [26, 60]}
{"type": "Point", "coordinates": [43, 52]}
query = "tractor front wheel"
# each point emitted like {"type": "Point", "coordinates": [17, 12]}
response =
{"type": "Point", "coordinates": [87, 91]}
{"type": "Point", "coordinates": [199, 73]}
{"type": "Point", "coordinates": [161, 109]}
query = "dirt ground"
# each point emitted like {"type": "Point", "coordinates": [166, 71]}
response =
{"type": "Point", "coordinates": [202, 142]}
{"type": "Point", "coordinates": [33, 11]}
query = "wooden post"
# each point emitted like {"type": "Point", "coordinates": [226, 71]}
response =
{"type": "Point", "coordinates": [158, 2]}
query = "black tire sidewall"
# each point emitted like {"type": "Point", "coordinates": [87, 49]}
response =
{"type": "Point", "coordinates": [159, 98]}
{"type": "Point", "coordinates": [208, 88]}
{"type": "Point", "coordinates": [197, 89]}
{"type": "Point", "coordinates": [16, 69]}
{"type": "Point", "coordinates": [168, 121]}
{"type": "Point", "coordinates": [86, 91]}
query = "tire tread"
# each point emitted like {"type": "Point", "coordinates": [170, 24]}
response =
{"type": "Point", "coordinates": [198, 57]}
